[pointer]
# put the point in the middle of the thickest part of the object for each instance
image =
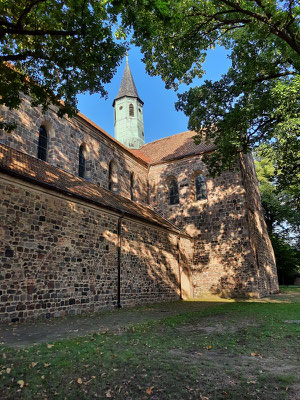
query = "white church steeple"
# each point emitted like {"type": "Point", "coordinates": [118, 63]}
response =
{"type": "Point", "coordinates": [128, 113]}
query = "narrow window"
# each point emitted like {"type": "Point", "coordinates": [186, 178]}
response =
{"type": "Point", "coordinates": [131, 110]}
{"type": "Point", "coordinates": [110, 167]}
{"type": "Point", "coordinates": [173, 192]}
{"type": "Point", "coordinates": [112, 177]}
{"type": "Point", "coordinates": [43, 144]}
{"type": "Point", "coordinates": [131, 186]}
{"type": "Point", "coordinates": [81, 162]}
{"type": "Point", "coordinates": [200, 186]}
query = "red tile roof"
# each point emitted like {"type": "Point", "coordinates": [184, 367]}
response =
{"type": "Point", "coordinates": [161, 150]}
{"type": "Point", "coordinates": [174, 147]}
{"type": "Point", "coordinates": [42, 173]}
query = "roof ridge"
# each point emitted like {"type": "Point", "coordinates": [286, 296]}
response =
{"type": "Point", "coordinates": [109, 136]}
{"type": "Point", "coordinates": [166, 137]}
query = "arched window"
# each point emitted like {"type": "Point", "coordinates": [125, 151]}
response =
{"type": "Point", "coordinates": [131, 110]}
{"type": "Point", "coordinates": [173, 192]}
{"type": "Point", "coordinates": [200, 186]}
{"type": "Point", "coordinates": [43, 144]}
{"type": "Point", "coordinates": [81, 162]}
{"type": "Point", "coordinates": [131, 186]}
{"type": "Point", "coordinates": [112, 177]}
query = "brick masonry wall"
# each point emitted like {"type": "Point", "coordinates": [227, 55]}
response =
{"type": "Point", "coordinates": [59, 256]}
{"type": "Point", "coordinates": [265, 260]}
{"type": "Point", "coordinates": [65, 137]}
{"type": "Point", "coordinates": [157, 274]}
{"type": "Point", "coordinates": [224, 260]}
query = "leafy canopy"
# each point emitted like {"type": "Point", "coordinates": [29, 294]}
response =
{"type": "Point", "coordinates": [257, 100]}
{"type": "Point", "coordinates": [281, 214]}
{"type": "Point", "coordinates": [55, 49]}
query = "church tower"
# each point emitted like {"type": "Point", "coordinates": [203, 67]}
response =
{"type": "Point", "coordinates": [128, 113]}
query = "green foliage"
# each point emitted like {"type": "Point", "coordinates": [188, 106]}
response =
{"type": "Point", "coordinates": [257, 100]}
{"type": "Point", "coordinates": [281, 206]}
{"type": "Point", "coordinates": [281, 215]}
{"type": "Point", "coordinates": [287, 260]}
{"type": "Point", "coordinates": [55, 49]}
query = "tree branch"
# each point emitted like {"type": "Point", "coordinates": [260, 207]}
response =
{"type": "Point", "coordinates": [21, 31]}
{"type": "Point", "coordinates": [27, 11]}
{"type": "Point", "coordinates": [21, 56]}
{"type": "Point", "coordinates": [274, 76]}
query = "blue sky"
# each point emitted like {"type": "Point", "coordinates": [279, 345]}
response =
{"type": "Point", "coordinates": [160, 117]}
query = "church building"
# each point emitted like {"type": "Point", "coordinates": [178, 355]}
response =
{"type": "Point", "coordinates": [90, 222]}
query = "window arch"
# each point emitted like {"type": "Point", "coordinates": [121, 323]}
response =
{"type": "Point", "coordinates": [81, 161]}
{"type": "Point", "coordinates": [131, 186]}
{"type": "Point", "coordinates": [112, 176]}
{"type": "Point", "coordinates": [131, 110]}
{"type": "Point", "coordinates": [173, 191]}
{"type": "Point", "coordinates": [42, 144]}
{"type": "Point", "coordinates": [200, 187]}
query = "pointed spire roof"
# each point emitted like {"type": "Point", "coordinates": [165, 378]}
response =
{"type": "Point", "coordinates": [127, 88]}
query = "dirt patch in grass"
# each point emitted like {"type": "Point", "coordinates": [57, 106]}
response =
{"type": "Point", "coordinates": [263, 377]}
{"type": "Point", "coordinates": [219, 325]}
{"type": "Point", "coordinates": [230, 350]}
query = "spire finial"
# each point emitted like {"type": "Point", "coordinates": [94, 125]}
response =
{"type": "Point", "coordinates": [127, 58]}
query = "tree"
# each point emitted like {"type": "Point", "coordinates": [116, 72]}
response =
{"type": "Point", "coordinates": [287, 260]}
{"type": "Point", "coordinates": [55, 49]}
{"type": "Point", "coordinates": [281, 215]}
{"type": "Point", "coordinates": [257, 100]}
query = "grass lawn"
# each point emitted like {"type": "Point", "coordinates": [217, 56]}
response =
{"type": "Point", "coordinates": [231, 350]}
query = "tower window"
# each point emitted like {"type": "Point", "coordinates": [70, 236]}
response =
{"type": "Point", "coordinates": [81, 162]}
{"type": "Point", "coordinates": [131, 186]}
{"type": "Point", "coordinates": [120, 108]}
{"type": "Point", "coordinates": [43, 144]}
{"type": "Point", "coordinates": [140, 110]}
{"type": "Point", "coordinates": [200, 186]}
{"type": "Point", "coordinates": [131, 110]}
{"type": "Point", "coordinates": [173, 192]}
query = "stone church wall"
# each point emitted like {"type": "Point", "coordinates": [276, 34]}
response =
{"type": "Point", "coordinates": [65, 137]}
{"type": "Point", "coordinates": [266, 272]}
{"type": "Point", "coordinates": [224, 261]}
{"type": "Point", "coordinates": [60, 256]}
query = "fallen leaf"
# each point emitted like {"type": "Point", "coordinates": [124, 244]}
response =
{"type": "Point", "coordinates": [254, 354]}
{"type": "Point", "coordinates": [149, 390]}
{"type": "Point", "coordinates": [42, 377]}
{"type": "Point", "coordinates": [209, 347]}
{"type": "Point", "coordinates": [33, 364]}
{"type": "Point", "coordinates": [3, 355]}
{"type": "Point", "coordinates": [8, 370]}
{"type": "Point", "coordinates": [21, 383]}
{"type": "Point", "coordinates": [79, 380]}
{"type": "Point", "coordinates": [108, 393]}
{"type": "Point", "coordinates": [49, 346]}
{"type": "Point", "coordinates": [46, 365]}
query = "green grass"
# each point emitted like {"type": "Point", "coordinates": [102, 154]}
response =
{"type": "Point", "coordinates": [289, 288]}
{"type": "Point", "coordinates": [231, 350]}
